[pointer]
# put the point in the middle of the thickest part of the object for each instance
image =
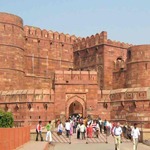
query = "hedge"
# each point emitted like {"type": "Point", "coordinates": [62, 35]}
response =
{"type": "Point", "coordinates": [6, 119]}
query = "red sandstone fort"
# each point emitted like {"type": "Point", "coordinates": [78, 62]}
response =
{"type": "Point", "coordinates": [46, 75]}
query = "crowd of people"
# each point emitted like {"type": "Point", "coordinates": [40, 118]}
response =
{"type": "Point", "coordinates": [91, 128]}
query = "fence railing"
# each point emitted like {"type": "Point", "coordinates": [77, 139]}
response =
{"type": "Point", "coordinates": [11, 138]}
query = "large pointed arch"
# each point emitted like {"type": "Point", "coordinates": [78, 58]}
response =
{"type": "Point", "coordinates": [75, 98]}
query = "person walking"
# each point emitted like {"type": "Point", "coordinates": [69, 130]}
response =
{"type": "Point", "coordinates": [105, 126]}
{"type": "Point", "coordinates": [74, 125]}
{"type": "Point", "coordinates": [39, 131]}
{"type": "Point", "coordinates": [60, 128]}
{"type": "Point", "coordinates": [117, 133]}
{"type": "Point", "coordinates": [78, 130]}
{"type": "Point", "coordinates": [100, 124]}
{"type": "Point", "coordinates": [71, 127]}
{"type": "Point", "coordinates": [67, 127]}
{"type": "Point", "coordinates": [48, 134]}
{"type": "Point", "coordinates": [89, 131]}
{"type": "Point", "coordinates": [135, 133]}
{"type": "Point", "coordinates": [82, 130]}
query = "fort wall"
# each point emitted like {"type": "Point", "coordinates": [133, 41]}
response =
{"type": "Point", "coordinates": [138, 66]}
{"type": "Point", "coordinates": [11, 52]}
{"type": "Point", "coordinates": [80, 86]}
{"type": "Point", "coordinates": [119, 79]}
{"type": "Point", "coordinates": [100, 54]}
{"type": "Point", "coordinates": [45, 52]}
{"type": "Point", "coordinates": [131, 104]}
{"type": "Point", "coordinates": [46, 75]}
{"type": "Point", "coordinates": [52, 49]}
{"type": "Point", "coordinates": [29, 105]}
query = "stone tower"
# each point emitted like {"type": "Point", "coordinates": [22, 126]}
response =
{"type": "Point", "coordinates": [11, 52]}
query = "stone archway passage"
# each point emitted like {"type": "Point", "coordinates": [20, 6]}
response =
{"type": "Point", "coordinates": [75, 108]}
{"type": "Point", "coordinates": [75, 100]}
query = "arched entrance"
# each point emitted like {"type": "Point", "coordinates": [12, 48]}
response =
{"type": "Point", "coordinates": [75, 108]}
{"type": "Point", "coordinates": [75, 104]}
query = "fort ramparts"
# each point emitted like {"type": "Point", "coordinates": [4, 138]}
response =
{"type": "Point", "coordinates": [46, 75]}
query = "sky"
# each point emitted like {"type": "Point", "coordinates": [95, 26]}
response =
{"type": "Point", "coordinates": [124, 20]}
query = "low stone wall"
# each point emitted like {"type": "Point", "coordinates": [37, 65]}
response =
{"type": "Point", "coordinates": [11, 138]}
{"type": "Point", "coordinates": [145, 134]}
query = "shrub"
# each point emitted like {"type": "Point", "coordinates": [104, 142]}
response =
{"type": "Point", "coordinates": [6, 119]}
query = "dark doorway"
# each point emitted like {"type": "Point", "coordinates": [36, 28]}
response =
{"type": "Point", "coordinates": [75, 108]}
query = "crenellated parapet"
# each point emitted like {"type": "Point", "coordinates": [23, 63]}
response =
{"type": "Point", "coordinates": [83, 43]}
{"type": "Point", "coordinates": [38, 33]}
{"type": "Point", "coordinates": [118, 44]}
{"type": "Point", "coordinates": [131, 104]}
{"type": "Point", "coordinates": [33, 96]}
{"type": "Point", "coordinates": [130, 94]}
{"type": "Point", "coordinates": [97, 39]}
{"type": "Point", "coordinates": [75, 77]}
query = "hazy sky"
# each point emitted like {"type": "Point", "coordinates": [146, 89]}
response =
{"type": "Point", "coordinates": [124, 20]}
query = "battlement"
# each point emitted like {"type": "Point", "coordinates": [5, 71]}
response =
{"type": "Point", "coordinates": [76, 77]}
{"type": "Point", "coordinates": [36, 32]}
{"type": "Point", "coordinates": [118, 44]}
{"type": "Point", "coordinates": [83, 43]}
{"type": "Point", "coordinates": [97, 39]}
{"type": "Point", "coordinates": [130, 94]}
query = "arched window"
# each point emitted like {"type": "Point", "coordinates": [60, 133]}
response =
{"type": "Point", "coordinates": [129, 54]}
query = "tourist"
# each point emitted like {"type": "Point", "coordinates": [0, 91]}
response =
{"type": "Point", "coordinates": [117, 133]}
{"type": "Point", "coordinates": [71, 127]}
{"type": "Point", "coordinates": [128, 132]}
{"type": "Point", "coordinates": [100, 124]}
{"type": "Point", "coordinates": [39, 131]}
{"type": "Point", "coordinates": [109, 128]}
{"type": "Point", "coordinates": [78, 131]}
{"type": "Point", "coordinates": [82, 130]}
{"type": "Point", "coordinates": [95, 126]}
{"type": "Point", "coordinates": [105, 126]}
{"type": "Point", "coordinates": [89, 131]}
{"type": "Point", "coordinates": [135, 133]}
{"type": "Point", "coordinates": [67, 128]}
{"type": "Point", "coordinates": [74, 125]}
{"type": "Point", "coordinates": [48, 134]}
{"type": "Point", "coordinates": [60, 128]}
{"type": "Point", "coordinates": [113, 126]}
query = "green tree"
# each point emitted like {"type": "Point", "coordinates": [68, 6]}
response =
{"type": "Point", "coordinates": [6, 119]}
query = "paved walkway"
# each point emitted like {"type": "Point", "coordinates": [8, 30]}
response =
{"type": "Point", "coordinates": [79, 144]}
{"type": "Point", "coordinates": [33, 145]}
{"type": "Point", "coordinates": [100, 146]}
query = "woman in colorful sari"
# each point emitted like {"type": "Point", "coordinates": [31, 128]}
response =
{"type": "Point", "coordinates": [71, 128]}
{"type": "Point", "coordinates": [89, 131]}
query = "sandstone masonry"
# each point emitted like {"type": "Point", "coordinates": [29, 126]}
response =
{"type": "Point", "coordinates": [46, 75]}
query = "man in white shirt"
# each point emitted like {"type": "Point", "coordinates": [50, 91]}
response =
{"type": "Point", "coordinates": [82, 130]}
{"type": "Point", "coordinates": [117, 133]}
{"type": "Point", "coordinates": [135, 133]}
{"type": "Point", "coordinates": [67, 127]}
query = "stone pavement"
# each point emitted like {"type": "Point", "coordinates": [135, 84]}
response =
{"type": "Point", "coordinates": [97, 146]}
{"type": "Point", "coordinates": [79, 144]}
{"type": "Point", "coordinates": [34, 145]}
